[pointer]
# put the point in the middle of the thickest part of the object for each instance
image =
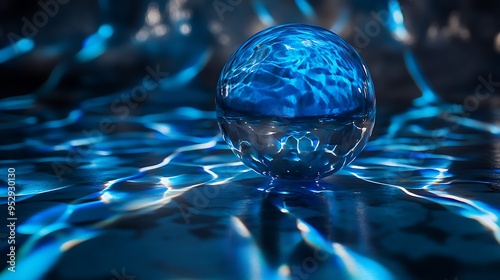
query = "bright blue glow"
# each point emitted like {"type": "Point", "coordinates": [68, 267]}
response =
{"type": "Point", "coordinates": [25, 45]}
{"type": "Point", "coordinates": [22, 46]}
{"type": "Point", "coordinates": [396, 25]}
{"type": "Point", "coordinates": [360, 267]}
{"type": "Point", "coordinates": [18, 102]}
{"type": "Point", "coordinates": [91, 40]}
{"type": "Point", "coordinates": [44, 255]}
{"type": "Point", "coordinates": [398, 121]}
{"type": "Point", "coordinates": [305, 8]}
{"type": "Point", "coordinates": [43, 258]}
{"type": "Point", "coordinates": [343, 20]}
{"type": "Point", "coordinates": [72, 117]}
{"type": "Point", "coordinates": [353, 265]}
{"type": "Point", "coordinates": [396, 22]}
{"type": "Point", "coordinates": [95, 44]}
{"type": "Point", "coordinates": [428, 95]}
{"type": "Point", "coordinates": [93, 47]}
{"type": "Point", "coordinates": [42, 219]}
{"type": "Point", "coordinates": [249, 258]}
{"type": "Point", "coordinates": [263, 13]}
{"type": "Point", "coordinates": [296, 101]}
{"type": "Point", "coordinates": [105, 31]}
{"type": "Point", "coordinates": [313, 237]}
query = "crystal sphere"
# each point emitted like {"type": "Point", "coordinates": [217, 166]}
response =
{"type": "Point", "coordinates": [295, 101]}
{"type": "Point", "coordinates": [232, 22]}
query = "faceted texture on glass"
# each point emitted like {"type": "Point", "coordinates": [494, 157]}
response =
{"type": "Point", "coordinates": [295, 101]}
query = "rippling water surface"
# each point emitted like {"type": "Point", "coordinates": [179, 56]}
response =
{"type": "Point", "coordinates": [153, 192]}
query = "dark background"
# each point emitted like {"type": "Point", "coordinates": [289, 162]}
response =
{"type": "Point", "coordinates": [421, 201]}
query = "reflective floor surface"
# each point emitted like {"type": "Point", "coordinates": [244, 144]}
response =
{"type": "Point", "coordinates": [115, 191]}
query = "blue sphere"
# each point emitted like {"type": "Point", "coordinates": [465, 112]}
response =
{"type": "Point", "coordinates": [296, 101]}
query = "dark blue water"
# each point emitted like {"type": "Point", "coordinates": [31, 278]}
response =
{"type": "Point", "coordinates": [161, 196]}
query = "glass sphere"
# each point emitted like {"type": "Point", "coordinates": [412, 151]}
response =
{"type": "Point", "coordinates": [295, 101]}
{"type": "Point", "coordinates": [233, 22]}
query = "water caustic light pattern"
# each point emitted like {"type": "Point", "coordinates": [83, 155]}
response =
{"type": "Point", "coordinates": [163, 197]}
{"type": "Point", "coordinates": [296, 101]}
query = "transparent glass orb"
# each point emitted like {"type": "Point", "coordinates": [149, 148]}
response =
{"type": "Point", "coordinates": [233, 22]}
{"type": "Point", "coordinates": [296, 101]}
